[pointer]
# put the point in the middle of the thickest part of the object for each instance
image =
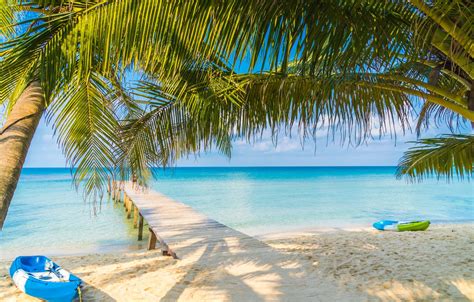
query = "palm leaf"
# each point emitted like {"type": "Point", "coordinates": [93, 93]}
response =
{"type": "Point", "coordinates": [204, 110]}
{"type": "Point", "coordinates": [7, 18]}
{"type": "Point", "coordinates": [181, 116]}
{"type": "Point", "coordinates": [86, 126]}
{"type": "Point", "coordinates": [448, 156]}
{"type": "Point", "coordinates": [191, 99]}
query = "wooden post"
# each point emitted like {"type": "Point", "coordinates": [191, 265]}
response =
{"type": "Point", "coordinates": [140, 227]}
{"type": "Point", "coordinates": [135, 217]}
{"type": "Point", "coordinates": [168, 252]}
{"type": "Point", "coordinates": [152, 240]}
{"type": "Point", "coordinates": [116, 192]}
{"type": "Point", "coordinates": [129, 207]}
{"type": "Point", "coordinates": [109, 187]}
{"type": "Point", "coordinates": [112, 190]}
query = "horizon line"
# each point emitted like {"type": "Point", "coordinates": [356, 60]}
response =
{"type": "Point", "coordinates": [283, 166]}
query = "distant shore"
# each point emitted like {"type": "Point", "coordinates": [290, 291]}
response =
{"type": "Point", "coordinates": [363, 263]}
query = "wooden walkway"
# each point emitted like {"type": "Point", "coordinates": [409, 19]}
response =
{"type": "Point", "coordinates": [218, 262]}
{"type": "Point", "coordinates": [172, 223]}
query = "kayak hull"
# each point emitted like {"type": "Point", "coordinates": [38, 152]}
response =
{"type": "Point", "coordinates": [413, 226]}
{"type": "Point", "coordinates": [382, 225]}
{"type": "Point", "coordinates": [393, 225]}
{"type": "Point", "coordinates": [40, 277]}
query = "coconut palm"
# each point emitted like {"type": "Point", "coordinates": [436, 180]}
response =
{"type": "Point", "coordinates": [427, 62]}
{"type": "Point", "coordinates": [79, 51]}
{"type": "Point", "coordinates": [342, 65]}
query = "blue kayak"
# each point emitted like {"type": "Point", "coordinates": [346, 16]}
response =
{"type": "Point", "coordinates": [40, 277]}
{"type": "Point", "coordinates": [383, 225]}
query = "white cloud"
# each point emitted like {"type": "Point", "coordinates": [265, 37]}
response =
{"type": "Point", "coordinates": [240, 143]}
{"type": "Point", "coordinates": [47, 138]}
{"type": "Point", "coordinates": [287, 144]}
{"type": "Point", "coordinates": [262, 152]}
{"type": "Point", "coordinates": [263, 146]}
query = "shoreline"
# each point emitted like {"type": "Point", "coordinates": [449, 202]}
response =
{"type": "Point", "coordinates": [111, 249]}
{"type": "Point", "coordinates": [274, 233]}
{"type": "Point", "coordinates": [355, 264]}
{"type": "Point", "coordinates": [308, 231]}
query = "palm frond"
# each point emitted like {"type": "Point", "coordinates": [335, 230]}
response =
{"type": "Point", "coordinates": [431, 113]}
{"type": "Point", "coordinates": [21, 57]}
{"type": "Point", "coordinates": [206, 110]}
{"type": "Point", "coordinates": [148, 32]}
{"type": "Point", "coordinates": [181, 116]}
{"type": "Point", "coordinates": [83, 116]}
{"type": "Point", "coordinates": [343, 104]}
{"type": "Point", "coordinates": [7, 18]}
{"type": "Point", "coordinates": [453, 17]}
{"type": "Point", "coordinates": [448, 156]}
{"type": "Point", "coordinates": [445, 27]}
{"type": "Point", "coordinates": [191, 100]}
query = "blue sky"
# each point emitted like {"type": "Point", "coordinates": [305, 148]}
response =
{"type": "Point", "coordinates": [44, 152]}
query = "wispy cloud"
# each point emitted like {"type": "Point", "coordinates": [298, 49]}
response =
{"type": "Point", "coordinates": [263, 151]}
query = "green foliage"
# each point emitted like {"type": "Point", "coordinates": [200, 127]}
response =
{"type": "Point", "coordinates": [345, 66]}
{"type": "Point", "coordinates": [85, 123]}
{"type": "Point", "coordinates": [448, 156]}
{"type": "Point", "coordinates": [7, 18]}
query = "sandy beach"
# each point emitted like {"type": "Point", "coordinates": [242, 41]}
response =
{"type": "Point", "coordinates": [246, 151]}
{"type": "Point", "coordinates": [346, 265]}
{"type": "Point", "coordinates": [389, 266]}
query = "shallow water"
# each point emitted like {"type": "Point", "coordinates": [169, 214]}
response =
{"type": "Point", "coordinates": [48, 216]}
{"type": "Point", "coordinates": [263, 200]}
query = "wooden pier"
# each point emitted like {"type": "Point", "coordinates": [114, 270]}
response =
{"type": "Point", "coordinates": [172, 223]}
{"type": "Point", "coordinates": [213, 252]}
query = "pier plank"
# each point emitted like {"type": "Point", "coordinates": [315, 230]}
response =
{"type": "Point", "coordinates": [174, 224]}
{"type": "Point", "coordinates": [210, 247]}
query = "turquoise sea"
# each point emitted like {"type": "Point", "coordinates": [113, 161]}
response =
{"type": "Point", "coordinates": [47, 216]}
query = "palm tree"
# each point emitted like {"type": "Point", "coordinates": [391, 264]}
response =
{"type": "Point", "coordinates": [26, 94]}
{"type": "Point", "coordinates": [15, 139]}
{"type": "Point", "coordinates": [414, 53]}
{"type": "Point", "coordinates": [343, 65]}
{"type": "Point", "coordinates": [80, 50]}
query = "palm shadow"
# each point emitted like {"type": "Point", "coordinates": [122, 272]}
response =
{"type": "Point", "coordinates": [92, 293]}
{"type": "Point", "coordinates": [244, 266]}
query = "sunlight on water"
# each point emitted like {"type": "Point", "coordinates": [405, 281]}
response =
{"type": "Point", "coordinates": [48, 216]}
{"type": "Point", "coordinates": [261, 200]}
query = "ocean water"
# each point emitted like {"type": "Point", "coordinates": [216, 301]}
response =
{"type": "Point", "coordinates": [263, 200]}
{"type": "Point", "coordinates": [48, 216]}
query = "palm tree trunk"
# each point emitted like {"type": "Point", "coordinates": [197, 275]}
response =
{"type": "Point", "coordinates": [15, 139]}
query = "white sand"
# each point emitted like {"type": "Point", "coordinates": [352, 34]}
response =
{"type": "Point", "coordinates": [411, 266]}
{"type": "Point", "coordinates": [337, 265]}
